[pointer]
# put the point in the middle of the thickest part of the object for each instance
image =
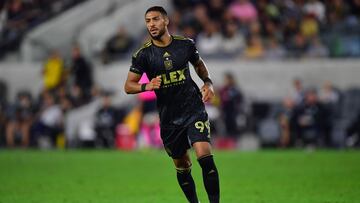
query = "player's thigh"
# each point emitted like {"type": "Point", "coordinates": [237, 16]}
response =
{"type": "Point", "coordinates": [202, 149]}
{"type": "Point", "coordinates": [199, 135]}
{"type": "Point", "coordinates": [183, 162]}
{"type": "Point", "coordinates": [175, 142]}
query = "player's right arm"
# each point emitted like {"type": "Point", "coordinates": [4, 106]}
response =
{"type": "Point", "coordinates": [137, 68]}
{"type": "Point", "coordinates": [132, 85]}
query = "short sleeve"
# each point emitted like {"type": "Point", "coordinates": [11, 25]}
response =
{"type": "Point", "coordinates": [138, 63]}
{"type": "Point", "coordinates": [194, 53]}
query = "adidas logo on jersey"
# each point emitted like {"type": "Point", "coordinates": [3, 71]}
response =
{"type": "Point", "coordinates": [166, 54]}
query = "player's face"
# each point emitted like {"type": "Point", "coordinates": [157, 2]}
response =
{"type": "Point", "coordinates": [156, 24]}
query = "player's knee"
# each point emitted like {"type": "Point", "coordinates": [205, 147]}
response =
{"type": "Point", "coordinates": [203, 153]}
{"type": "Point", "coordinates": [183, 170]}
{"type": "Point", "coordinates": [205, 156]}
{"type": "Point", "coordinates": [183, 163]}
{"type": "Point", "coordinates": [202, 149]}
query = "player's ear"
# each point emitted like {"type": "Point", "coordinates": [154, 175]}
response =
{"type": "Point", "coordinates": [167, 21]}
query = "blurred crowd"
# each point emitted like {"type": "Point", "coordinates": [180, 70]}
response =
{"type": "Point", "coordinates": [246, 29]}
{"type": "Point", "coordinates": [319, 117]}
{"type": "Point", "coordinates": [65, 86]}
{"type": "Point", "coordinates": [262, 29]}
{"type": "Point", "coordinates": [39, 121]}
{"type": "Point", "coordinates": [17, 17]}
{"type": "Point", "coordinates": [310, 117]}
{"type": "Point", "coordinates": [270, 28]}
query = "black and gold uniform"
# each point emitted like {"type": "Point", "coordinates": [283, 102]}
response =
{"type": "Point", "coordinates": [182, 113]}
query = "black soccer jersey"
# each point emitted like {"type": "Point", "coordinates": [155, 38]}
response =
{"type": "Point", "coordinates": [179, 99]}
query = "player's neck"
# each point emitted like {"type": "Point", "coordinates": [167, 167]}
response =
{"type": "Point", "coordinates": [164, 40]}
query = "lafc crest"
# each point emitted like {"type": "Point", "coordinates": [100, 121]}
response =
{"type": "Point", "coordinates": [167, 62]}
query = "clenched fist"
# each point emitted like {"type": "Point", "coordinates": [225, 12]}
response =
{"type": "Point", "coordinates": [207, 92]}
{"type": "Point", "coordinates": [154, 84]}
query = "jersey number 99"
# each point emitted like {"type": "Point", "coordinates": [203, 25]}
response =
{"type": "Point", "coordinates": [200, 125]}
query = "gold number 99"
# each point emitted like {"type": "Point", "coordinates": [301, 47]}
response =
{"type": "Point", "coordinates": [202, 125]}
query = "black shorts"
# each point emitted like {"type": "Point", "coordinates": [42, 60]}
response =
{"type": "Point", "coordinates": [178, 140]}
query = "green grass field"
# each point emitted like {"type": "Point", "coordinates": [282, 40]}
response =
{"type": "Point", "coordinates": [149, 177]}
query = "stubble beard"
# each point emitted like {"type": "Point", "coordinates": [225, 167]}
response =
{"type": "Point", "coordinates": [158, 36]}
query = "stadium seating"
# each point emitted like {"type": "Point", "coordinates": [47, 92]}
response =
{"type": "Point", "coordinates": [130, 15]}
{"type": "Point", "coordinates": [59, 33]}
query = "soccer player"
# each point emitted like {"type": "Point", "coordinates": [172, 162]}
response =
{"type": "Point", "coordinates": [184, 121]}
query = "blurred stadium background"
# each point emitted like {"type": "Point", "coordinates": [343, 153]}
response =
{"type": "Point", "coordinates": [286, 75]}
{"type": "Point", "coordinates": [286, 72]}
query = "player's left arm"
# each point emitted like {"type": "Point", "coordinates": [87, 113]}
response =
{"type": "Point", "coordinates": [207, 89]}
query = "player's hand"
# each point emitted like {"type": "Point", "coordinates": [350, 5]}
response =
{"type": "Point", "coordinates": [207, 92]}
{"type": "Point", "coordinates": [154, 84]}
